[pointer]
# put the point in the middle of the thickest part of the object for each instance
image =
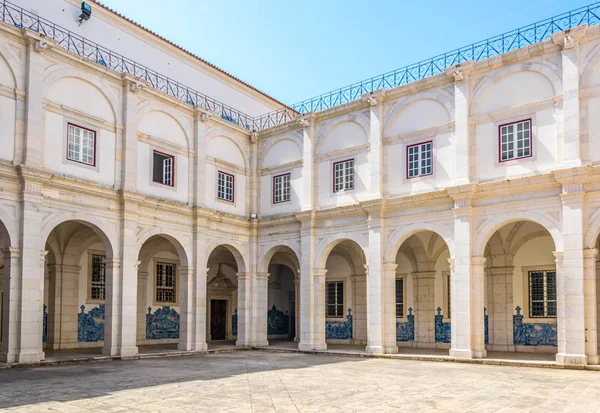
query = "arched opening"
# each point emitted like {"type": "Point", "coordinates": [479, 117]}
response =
{"type": "Point", "coordinates": [423, 292]}
{"type": "Point", "coordinates": [282, 298]}
{"type": "Point", "coordinates": [521, 299]}
{"type": "Point", "coordinates": [5, 259]}
{"type": "Point", "coordinates": [76, 282]}
{"type": "Point", "coordinates": [225, 304]}
{"type": "Point", "coordinates": [162, 273]}
{"type": "Point", "coordinates": [345, 292]}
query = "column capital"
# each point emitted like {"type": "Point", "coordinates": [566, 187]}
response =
{"type": "Point", "coordinates": [320, 272]}
{"type": "Point", "coordinates": [451, 261]}
{"type": "Point", "coordinates": [136, 264]}
{"type": "Point", "coordinates": [478, 260]}
{"type": "Point", "coordinates": [132, 83]}
{"type": "Point", "coordinates": [460, 71]}
{"type": "Point", "coordinates": [243, 275]}
{"type": "Point", "coordinates": [389, 266]}
{"type": "Point", "coordinates": [143, 274]}
{"type": "Point", "coordinates": [262, 275]}
{"type": "Point", "coordinates": [568, 39]}
{"type": "Point", "coordinates": [500, 270]}
{"type": "Point", "coordinates": [112, 263]}
{"type": "Point", "coordinates": [558, 257]}
{"type": "Point", "coordinates": [39, 42]}
{"type": "Point", "coordinates": [11, 253]}
{"type": "Point", "coordinates": [307, 119]}
{"type": "Point", "coordinates": [186, 269]}
{"type": "Point", "coordinates": [43, 254]}
{"type": "Point", "coordinates": [590, 253]}
{"type": "Point", "coordinates": [375, 97]}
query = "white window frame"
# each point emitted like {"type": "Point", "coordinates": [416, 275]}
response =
{"type": "Point", "coordinates": [419, 159]}
{"type": "Point", "coordinates": [344, 170]}
{"type": "Point", "coordinates": [509, 137]}
{"type": "Point", "coordinates": [225, 182]}
{"type": "Point", "coordinates": [282, 188]}
{"type": "Point", "coordinates": [80, 140]}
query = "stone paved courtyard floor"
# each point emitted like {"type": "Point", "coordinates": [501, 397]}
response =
{"type": "Point", "coordinates": [259, 381]}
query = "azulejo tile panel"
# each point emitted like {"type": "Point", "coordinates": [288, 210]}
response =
{"type": "Point", "coordinates": [90, 325]}
{"type": "Point", "coordinates": [278, 322]}
{"type": "Point", "coordinates": [405, 331]}
{"type": "Point", "coordinates": [339, 330]}
{"type": "Point", "coordinates": [164, 323]}
{"type": "Point", "coordinates": [533, 334]}
{"type": "Point", "coordinates": [442, 330]}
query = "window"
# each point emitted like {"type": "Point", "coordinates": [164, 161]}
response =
{"type": "Point", "coordinates": [165, 282]}
{"type": "Point", "coordinates": [81, 145]}
{"type": "Point", "coordinates": [542, 294]}
{"type": "Point", "coordinates": [449, 296]}
{"type": "Point", "coordinates": [163, 168]}
{"type": "Point", "coordinates": [419, 159]}
{"type": "Point", "coordinates": [343, 175]}
{"type": "Point", "coordinates": [399, 297]}
{"type": "Point", "coordinates": [281, 188]}
{"type": "Point", "coordinates": [515, 140]}
{"type": "Point", "coordinates": [225, 187]}
{"type": "Point", "coordinates": [334, 296]}
{"type": "Point", "coordinates": [98, 278]}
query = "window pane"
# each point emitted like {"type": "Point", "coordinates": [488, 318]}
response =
{"type": "Point", "coordinates": [399, 297]}
{"type": "Point", "coordinates": [98, 279]}
{"type": "Point", "coordinates": [165, 282]}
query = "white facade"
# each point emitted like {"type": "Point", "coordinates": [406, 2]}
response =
{"type": "Point", "coordinates": [473, 230]}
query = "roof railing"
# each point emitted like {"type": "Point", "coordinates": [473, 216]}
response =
{"type": "Point", "coordinates": [485, 49]}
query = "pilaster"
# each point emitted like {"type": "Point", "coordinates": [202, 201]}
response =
{"type": "Point", "coordinates": [375, 154]}
{"type": "Point", "coordinates": [590, 305]}
{"type": "Point", "coordinates": [307, 280]}
{"type": "Point", "coordinates": [200, 287]}
{"type": "Point", "coordinates": [244, 311]}
{"type": "Point", "coordinates": [127, 155]}
{"type": "Point", "coordinates": [11, 302]}
{"type": "Point", "coordinates": [200, 131]}
{"type": "Point", "coordinates": [309, 139]}
{"type": "Point", "coordinates": [142, 304]}
{"type": "Point", "coordinates": [424, 307]}
{"type": "Point", "coordinates": [319, 275]}
{"type": "Point", "coordinates": [262, 296]}
{"type": "Point", "coordinates": [186, 308]}
{"type": "Point", "coordinates": [500, 307]}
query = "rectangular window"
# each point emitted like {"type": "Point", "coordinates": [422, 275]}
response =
{"type": "Point", "coordinates": [542, 294]}
{"type": "Point", "coordinates": [98, 278]}
{"type": "Point", "coordinates": [81, 145]}
{"type": "Point", "coordinates": [448, 284]}
{"type": "Point", "coordinates": [399, 297]}
{"type": "Point", "coordinates": [419, 159]}
{"type": "Point", "coordinates": [281, 188]}
{"type": "Point", "coordinates": [334, 296]}
{"type": "Point", "coordinates": [165, 282]}
{"type": "Point", "coordinates": [343, 175]}
{"type": "Point", "coordinates": [515, 140]}
{"type": "Point", "coordinates": [163, 168]}
{"type": "Point", "coordinates": [225, 187]}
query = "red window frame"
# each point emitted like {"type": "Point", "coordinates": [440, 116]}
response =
{"type": "Point", "coordinates": [273, 187]}
{"type": "Point", "coordinates": [95, 143]}
{"type": "Point", "coordinates": [172, 168]}
{"type": "Point", "coordinates": [406, 159]}
{"type": "Point", "coordinates": [333, 175]}
{"type": "Point", "coordinates": [530, 140]}
{"type": "Point", "coordinates": [232, 187]}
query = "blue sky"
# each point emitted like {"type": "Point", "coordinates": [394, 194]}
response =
{"type": "Point", "coordinates": [294, 50]}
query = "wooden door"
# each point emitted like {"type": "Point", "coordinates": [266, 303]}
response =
{"type": "Point", "coordinates": [218, 319]}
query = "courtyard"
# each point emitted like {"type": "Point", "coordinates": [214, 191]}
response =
{"type": "Point", "coordinates": [261, 381]}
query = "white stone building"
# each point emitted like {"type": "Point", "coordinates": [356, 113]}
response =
{"type": "Point", "coordinates": [458, 211]}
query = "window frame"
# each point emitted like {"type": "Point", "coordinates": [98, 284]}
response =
{"type": "Point", "coordinates": [545, 300]}
{"type": "Point", "coordinates": [172, 184]}
{"type": "Point", "coordinates": [232, 201]}
{"type": "Point", "coordinates": [289, 175]}
{"type": "Point", "coordinates": [500, 126]}
{"type": "Point", "coordinates": [155, 302]}
{"type": "Point", "coordinates": [89, 299]}
{"type": "Point", "coordinates": [420, 175]}
{"type": "Point", "coordinates": [404, 304]}
{"type": "Point", "coordinates": [344, 189]}
{"type": "Point", "coordinates": [92, 165]}
{"type": "Point", "coordinates": [337, 303]}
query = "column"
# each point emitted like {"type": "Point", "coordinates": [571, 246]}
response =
{"type": "Point", "coordinates": [307, 280]}
{"type": "Point", "coordinates": [186, 308]}
{"type": "Point", "coordinates": [462, 159]}
{"type": "Point", "coordinates": [112, 307]}
{"type": "Point", "coordinates": [296, 332]}
{"type": "Point", "coordinates": [319, 342]}
{"type": "Point", "coordinates": [142, 304]}
{"type": "Point", "coordinates": [308, 148]}
{"type": "Point", "coordinates": [244, 319]}
{"type": "Point", "coordinates": [375, 155]}
{"type": "Point", "coordinates": [199, 297]}
{"type": "Point", "coordinates": [262, 297]}
{"type": "Point", "coordinates": [63, 306]}
{"type": "Point", "coordinates": [590, 305]}
{"type": "Point", "coordinates": [424, 293]}
{"type": "Point", "coordinates": [500, 308]}
{"type": "Point", "coordinates": [10, 305]}
{"type": "Point", "coordinates": [388, 271]}
{"type": "Point", "coordinates": [569, 42]}
{"type": "Point", "coordinates": [127, 161]}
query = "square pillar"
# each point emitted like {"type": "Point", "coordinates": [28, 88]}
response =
{"type": "Point", "coordinates": [63, 306]}
{"type": "Point", "coordinates": [306, 283]}
{"type": "Point", "coordinates": [11, 305]}
{"type": "Point", "coordinates": [390, 345]}
{"type": "Point", "coordinates": [262, 296]}
{"type": "Point", "coordinates": [319, 342]}
{"type": "Point", "coordinates": [424, 307]}
{"type": "Point", "coordinates": [186, 308]}
{"type": "Point", "coordinates": [309, 191]}
{"type": "Point", "coordinates": [244, 319]}
{"type": "Point", "coordinates": [375, 154]}
{"type": "Point", "coordinates": [128, 144]}
{"type": "Point", "coordinates": [590, 305]}
{"type": "Point", "coordinates": [500, 307]}
{"type": "Point", "coordinates": [142, 305]}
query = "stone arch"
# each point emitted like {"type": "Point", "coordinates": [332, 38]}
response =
{"type": "Point", "coordinates": [8, 230]}
{"type": "Point", "coordinates": [398, 236]}
{"type": "Point", "coordinates": [543, 67]}
{"type": "Point", "coordinates": [269, 250]}
{"type": "Point", "coordinates": [593, 231]}
{"type": "Point", "coordinates": [63, 73]}
{"type": "Point", "coordinates": [441, 96]}
{"type": "Point", "coordinates": [176, 115]}
{"type": "Point", "coordinates": [590, 65]}
{"type": "Point", "coordinates": [220, 132]}
{"type": "Point", "coordinates": [14, 65]}
{"type": "Point", "coordinates": [182, 248]}
{"type": "Point", "coordinates": [235, 251]}
{"type": "Point", "coordinates": [107, 235]}
{"type": "Point", "coordinates": [357, 118]}
{"type": "Point", "coordinates": [272, 142]}
{"type": "Point", "coordinates": [327, 244]}
{"type": "Point", "coordinates": [491, 225]}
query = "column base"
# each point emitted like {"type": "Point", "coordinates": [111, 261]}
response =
{"type": "Point", "coordinates": [574, 359]}
{"type": "Point", "coordinates": [312, 346]}
{"type": "Point", "coordinates": [24, 357]}
{"type": "Point", "coordinates": [261, 343]}
{"type": "Point", "coordinates": [200, 346]}
{"type": "Point", "coordinates": [129, 351]}
{"type": "Point", "coordinates": [374, 349]}
{"type": "Point", "coordinates": [467, 354]}
{"type": "Point", "coordinates": [593, 359]}
{"type": "Point", "coordinates": [390, 350]}
{"type": "Point", "coordinates": [241, 343]}
{"type": "Point", "coordinates": [184, 346]}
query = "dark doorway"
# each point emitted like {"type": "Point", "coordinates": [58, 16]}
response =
{"type": "Point", "coordinates": [218, 316]}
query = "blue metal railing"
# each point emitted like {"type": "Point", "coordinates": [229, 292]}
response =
{"type": "Point", "coordinates": [494, 46]}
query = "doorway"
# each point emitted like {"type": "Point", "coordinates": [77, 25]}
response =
{"type": "Point", "coordinates": [218, 316]}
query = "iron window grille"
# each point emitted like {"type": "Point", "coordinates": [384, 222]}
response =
{"type": "Point", "coordinates": [98, 280]}
{"type": "Point", "coordinates": [399, 297]}
{"type": "Point", "coordinates": [281, 188]}
{"type": "Point", "coordinates": [165, 282]}
{"type": "Point", "coordinates": [515, 140]}
{"type": "Point", "coordinates": [334, 296]}
{"type": "Point", "coordinates": [163, 168]}
{"type": "Point", "coordinates": [225, 186]}
{"type": "Point", "coordinates": [449, 296]}
{"type": "Point", "coordinates": [419, 159]}
{"type": "Point", "coordinates": [542, 294]}
{"type": "Point", "coordinates": [343, 175]}
{"type": "Point", "coordinates": [81, 145]}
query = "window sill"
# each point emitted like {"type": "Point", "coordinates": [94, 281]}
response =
{"type": "Point", "coordinates": [155, 304]}
{"type": "Point", "coordinates": [90, 301]}
{"type": "Point", "coordinates": [343, 191]}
